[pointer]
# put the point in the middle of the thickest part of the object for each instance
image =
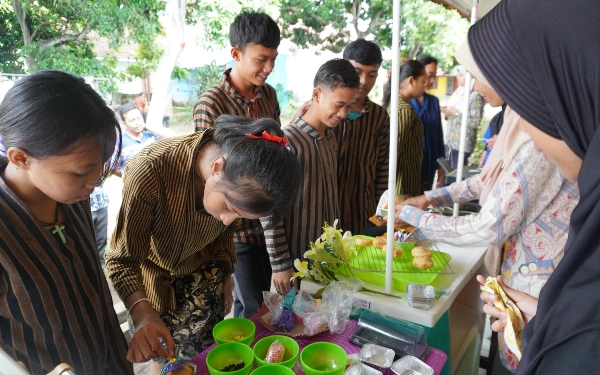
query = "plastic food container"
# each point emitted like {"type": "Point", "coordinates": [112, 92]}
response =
{"type": "Point", "coordinates": [410, 365]}
{"type": "Point", "coordinates": [376, 356]}
{"type": "Point", "coordinates": [360, 369]}
{"type": "Point", "coordinates": [420, 296]}
{"type": "Point", "coordinates": [404, 338]}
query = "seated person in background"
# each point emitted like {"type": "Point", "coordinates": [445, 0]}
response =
{"type": "Point", "coordinates": [364, 143]}
{"type": "Point", "coordinates": [311, 139]}
{"type": "Point", "coordinates": [55, 304]}
{"type": "Point", "coordinates": [137, 135]}
{"type": "Point", "coordinates": [243, 91]}
{"type": "Point", "coordinates": [526, 205]}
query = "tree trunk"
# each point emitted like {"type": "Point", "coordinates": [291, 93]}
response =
{"type": "Point", "coordinates": [173, 23]}
{"type": "Point", "coordinates": [21, 13]}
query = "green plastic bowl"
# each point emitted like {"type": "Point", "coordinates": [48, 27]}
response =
{"type": "Point", "coordinates": [273, 370]}
{"type": "Point", "coordinates": [230, 330]}
{"type": "Point", "coordinates": [229, 354]}
{"type": "Point", "coordinates": [289, 358]}
{"type": "Point", "coordinates": [323, 358]}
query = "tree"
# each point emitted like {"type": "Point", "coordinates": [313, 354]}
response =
{"type": "Point", "coordinates": [215, 17]}
{"type": "Point", "coordinates": [55, 33]}
{"type": "Point", "coordinates": [427, 27]}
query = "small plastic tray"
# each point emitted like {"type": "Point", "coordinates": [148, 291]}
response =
{"type": "Point", "coordinates": [360, 369]}
{"type": "Point", "coordinates": [420, 296]}
{"type": "Point", "coordinates": [410, 365]}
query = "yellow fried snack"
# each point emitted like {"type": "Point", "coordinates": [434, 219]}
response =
{"type": "Point", "coordinates": [514, 319]}
{"type": "Point", "coordinates": [423, 263]}
{"type": "Point", "coordinates": [362, 242]}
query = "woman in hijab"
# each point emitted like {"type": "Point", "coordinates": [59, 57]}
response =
{"type": "Point", "coordinates": [552, 81]}
{"type": "Point", "coordinates": [526, 201]}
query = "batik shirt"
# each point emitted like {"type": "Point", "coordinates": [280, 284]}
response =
{"type": "Point", "coordinates": [527, 213]}
{"type": "Point", "coordinates": [473, 122]}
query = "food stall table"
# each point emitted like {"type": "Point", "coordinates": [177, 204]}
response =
{"type": "Point", "coordinates": [435, 359]}
{"type": "Point", "coordinates": [450, 332]}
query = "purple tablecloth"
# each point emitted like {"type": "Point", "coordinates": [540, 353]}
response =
{"type": "Point", "coordinates": [436, 358]}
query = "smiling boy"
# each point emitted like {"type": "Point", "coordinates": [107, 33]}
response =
{"type": "Point", "coordinates": [311, 139]}
{"type": "Point", "coordinates": [243, 91]}
{"type": "Point", "coordinates": [364, 143]}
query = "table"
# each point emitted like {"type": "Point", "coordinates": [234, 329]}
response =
{"type": "Point", "coordinates": [438, 322]}
{"type": "Point", "coordinates": [436, 358]}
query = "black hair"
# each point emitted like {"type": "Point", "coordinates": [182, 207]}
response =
{"type": "Point", "coordinates": [410, 68]}
{"type": "Point", "coordinates": [254, 27]}
{"type": "Point", "coordinates": [265, 173]}
{"type": "Point", "coordinates": [335, 73]}
{"type": "Point", "coordinates": [363, 52]}
{"type": "Point", "coordinates": [49, 113]}
{"type": "Point", "coordinates": [427, 59]}
{"type": "Point", "coordinates": [127, 107]}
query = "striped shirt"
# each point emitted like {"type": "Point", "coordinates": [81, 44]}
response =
{"type": "Point", "coordinates": [55, 305]}
{"type": "Point", "coordinates": [410, 150]}
{"type": "Point", "coordinates": [363, 168]}
{"type": "Point", "coordinates": [159, 233]}
{"type": "Point", "coordinates": [224, 99]}
{"type": "Point", "coordinates": [317, 202]}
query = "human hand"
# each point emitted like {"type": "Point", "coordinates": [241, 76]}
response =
{"type": "Point", "coordinates": [227, 294]}
{"type": "Point", "coordinates": [526, 303]}
{"type": "Point", "coordinates": [281, 280]}
{"type": "Point", "coordinates": [149, 330]}
{"type": "Point", "coordinates": [441, 178]}
{"type": "Point", "coordinates": [491, 142]}
{"type": "Point", "coordinates": [302, 109]}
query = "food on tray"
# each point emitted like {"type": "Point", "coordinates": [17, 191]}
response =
{"type": "Point", "coordinates": [377, 220]}
{"type": "Point", "coordinates": [514, 319]}
{"type": "Point", "coordinates": [275, 352]}
{"type": "Point", "coordinates": [420, 251]}
{"type": "Point", "coordinates": [179, 366]}
{"type": "Point", "coordinates": [379, 243]}
{"type": "Point", "coordinates": [423, 263]}
{"type": "Point", "coordinates": [234, 367]}
{"type": "Point", "coordinates": [362, 242]}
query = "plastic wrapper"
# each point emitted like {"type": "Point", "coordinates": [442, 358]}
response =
{"type": "Point", "coordinates": [286, 321]}
{"type": "Point", "coordinates": [337, 303]}
{"type": "Point", "coordinates": [274, 302]}
{"type": "Point", "coordinates": [275, 352]}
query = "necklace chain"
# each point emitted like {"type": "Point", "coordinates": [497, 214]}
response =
{"type": "Point", "coordinates": [55, 218]}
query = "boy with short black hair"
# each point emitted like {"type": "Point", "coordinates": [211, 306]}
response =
{"type": "Point", "coordinates": [364, 141]}
{"type": "Point", "coordinates": [311, 138]}
{"type": "Point", "coordinates": [243, 91]}
{"type": "Point", "coordinates": [428, 109]}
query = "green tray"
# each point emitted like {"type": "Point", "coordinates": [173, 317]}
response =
{"type": "Point", "coordinates": [370, 259]}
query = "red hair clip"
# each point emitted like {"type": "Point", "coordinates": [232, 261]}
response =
{"type": "Point", "coordinates": [282, 141]}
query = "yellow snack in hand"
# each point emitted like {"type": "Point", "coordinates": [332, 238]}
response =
{"type": "Point", "coordinates": [514, 319]}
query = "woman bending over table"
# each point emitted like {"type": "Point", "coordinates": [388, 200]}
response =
{"type": "Point", "coordinates": [172, 250]}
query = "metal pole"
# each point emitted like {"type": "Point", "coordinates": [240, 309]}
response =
{"type": "Point", "coordinates": [395, 85]}
{"type": "Point", "coordinates": [465, 116]}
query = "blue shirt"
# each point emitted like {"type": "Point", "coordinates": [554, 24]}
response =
{"type": "Point", "coordinates": [98, 199]}
{"type": "Point", "coordinates": [131, 146]}
{"type": "Point", "coordinates": [433, 135]}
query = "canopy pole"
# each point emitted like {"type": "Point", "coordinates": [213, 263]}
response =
{"type": "Point", "coordinates": [395, 86]}
{"type": "Point", "coordinates": [465, 117]}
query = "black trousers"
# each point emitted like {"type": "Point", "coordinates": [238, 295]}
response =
{"type": "Point", "coordinates": [252, 275]}
{"type": "Point", "coordinates": [100, 219]}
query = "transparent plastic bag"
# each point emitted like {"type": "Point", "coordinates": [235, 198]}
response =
{"type": "Point", "coordinates": [337, 303]}
{"type": "Point", "coordinates": [274, 302]}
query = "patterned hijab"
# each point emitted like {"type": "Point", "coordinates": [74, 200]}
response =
{"type": "Point", "coordinates": [543, 58]}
